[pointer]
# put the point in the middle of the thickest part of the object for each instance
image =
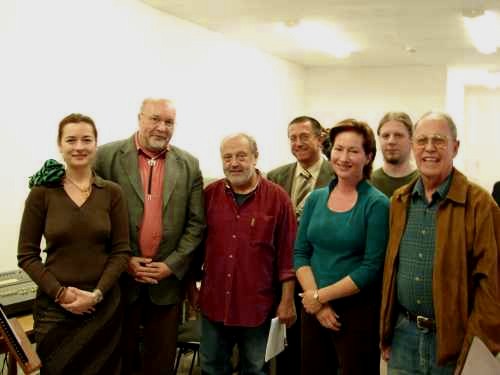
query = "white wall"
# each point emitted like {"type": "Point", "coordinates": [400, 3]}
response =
{"type": "Point", "coordinates": [333, 94]}
{"type": "Point", "coordinates": [481, 147]}
{"type": "Point", "coordinates": [102, 57]}
{"type": "Point", "coordinates": [367, 93]}
{"type": "Point", "coordinates": [472, 120]}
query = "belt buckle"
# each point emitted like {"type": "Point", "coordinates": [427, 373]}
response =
{"type": "Point", "coordinates": [421, 320]}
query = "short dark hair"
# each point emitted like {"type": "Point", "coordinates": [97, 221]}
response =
{"type": "Point", "coordinates": [363, 129]}
{"type": "Point", "coordinates": [402, 117]}
{"type": "Point", "coordinates": [316, 126]}
{"type": "Point", "coordinates": [75, 118]}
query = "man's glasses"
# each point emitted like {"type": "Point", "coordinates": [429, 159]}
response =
{"type": "Point", "coordinates": [156, 120]}
{"type": "Point", "coordinates": [436, 140]}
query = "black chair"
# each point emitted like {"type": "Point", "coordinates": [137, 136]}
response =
{"type": "Point", "coordinates": [188, 340]}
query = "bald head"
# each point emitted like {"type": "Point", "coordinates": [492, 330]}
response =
{"type": "Point", "coordinates": [442, 117]}
{"type": "Point", "coordinates": [156, 124]}
{"type": "Point", "coordinates": [239, 159]}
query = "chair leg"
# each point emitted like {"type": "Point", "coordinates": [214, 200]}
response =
{"type": "Point", "coordinates": [192, 362]}
{"type": "Point", "coordinates": [177, 360]}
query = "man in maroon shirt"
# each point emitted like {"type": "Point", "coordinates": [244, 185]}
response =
{"type": "Point", "coordinates": [251, 228]}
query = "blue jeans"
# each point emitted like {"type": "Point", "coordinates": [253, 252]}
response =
{"type": "Point", "coordinates": [217, 344]}
{"type": "Point", "coordinates": [413, 351]}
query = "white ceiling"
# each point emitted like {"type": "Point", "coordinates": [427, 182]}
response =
{"type": "Point", "coordinates": [382, 28]}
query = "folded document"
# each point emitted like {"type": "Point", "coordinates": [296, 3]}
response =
{"type": "Point", "coordinates": [276, 340]}
{"type": "Point", "coordinates": [480, 361]}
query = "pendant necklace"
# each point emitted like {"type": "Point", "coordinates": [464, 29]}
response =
{"type": "Point", "coordinates": [86, 191]}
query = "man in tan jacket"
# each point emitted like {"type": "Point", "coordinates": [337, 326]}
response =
{"type": "Point", "coordinates": [441, 276]}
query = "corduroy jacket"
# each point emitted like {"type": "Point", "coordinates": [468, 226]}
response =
{"type": "Point", "coordinates": [466, 275]}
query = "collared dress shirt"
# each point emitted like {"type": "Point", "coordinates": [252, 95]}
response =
{"type": "Point", "coordinates": [248, 253]}
{"type": "Point", "coordinates": [152, 172]}
{"type": "Point", "coordinates": [416, 251]}
{"type": "Point", "coordinates": [465, 276]}
{"type": "Point", "coordinates": [297, 178]}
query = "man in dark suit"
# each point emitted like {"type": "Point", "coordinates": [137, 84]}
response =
{"type": "Point", "coordinates": [164, 190]}
{"type": "Point", "coordinates": [496, 192]}
{"type": "Point", "coordinates": [310, 171]}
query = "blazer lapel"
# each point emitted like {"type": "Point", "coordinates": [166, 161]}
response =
{"type": "Point", "coordinates": [171, 174]}
{"type": "Point", "coordinates": [129, 163]}
{"type": "Point", "coordinates": [288, 180]}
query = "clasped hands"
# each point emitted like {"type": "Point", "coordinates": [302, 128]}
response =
{"type": "Point", "coordinates": [78, 301]}
{"type": "Point", "coordinates": [323, 312]}
{"type": "Point", "coordinates": [144, 270]}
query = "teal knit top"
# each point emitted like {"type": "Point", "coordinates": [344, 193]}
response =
{"type": "Point", "coordinates": [338, 244]}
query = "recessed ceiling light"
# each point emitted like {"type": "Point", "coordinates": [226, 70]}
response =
{"type": "Point", "coordinates": [291, 23]}
{"type": "Point", "coordinates": [320, 36]}
{"type": "Point", "coordinates": [472, 12]}
{"type": "Point", "coordinates": [484, 31]}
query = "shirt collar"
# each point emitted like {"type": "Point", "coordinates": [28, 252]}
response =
{"type": "Point", "coordinates": [440, 193]}
{"type": "Point", "coordinates": [149, 154]}
{"type": "Point", "coordinates": [229, 188]}
{"type": "Point", "coordinates": [313, 169]}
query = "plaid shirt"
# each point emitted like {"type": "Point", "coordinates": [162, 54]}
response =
{"type": "Point", "coordinates": [416, 251]}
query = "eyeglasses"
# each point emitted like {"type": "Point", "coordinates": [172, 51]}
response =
{"type": "Point", "coordinates": [240, 156]}
{"type": "Point", "coordinates": [156, 120]}
{"type": "Point", "coordinates": [302, 138]}
{"type": "Point", "coordinates": [436, 140]}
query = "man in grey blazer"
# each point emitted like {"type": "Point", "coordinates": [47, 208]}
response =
{"type": "Point", "coordinates": [309, 172]}
{"type": "Point", "coordinates": [305, 137]}
{"type": "Point", "coordinates": [164, 190]}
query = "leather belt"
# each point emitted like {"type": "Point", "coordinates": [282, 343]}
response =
{"type": "Point", "coordinates": [421, 321]}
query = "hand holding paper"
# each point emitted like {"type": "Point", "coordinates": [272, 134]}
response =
{"type": "Point", "coordinates": [276, 340]}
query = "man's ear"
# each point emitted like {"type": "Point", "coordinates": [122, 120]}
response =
{"type": "Point", "coordinates": [325, 133]}
{"type": "Point", "coordinates": [456, 146]}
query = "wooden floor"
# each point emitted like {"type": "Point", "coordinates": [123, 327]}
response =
{"type": "Point", "coordinates": [183, 367]}
{"type": "Point", "coordinates": [186, 362]}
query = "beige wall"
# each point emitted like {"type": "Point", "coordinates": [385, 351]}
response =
{"type": "Point", "coordinates": [103, 62]}
{"type": "Point", "coordinates": [367, 93]}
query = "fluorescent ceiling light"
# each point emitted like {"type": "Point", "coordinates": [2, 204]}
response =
{"type": "Point", "coordinates": [484, 30]}
{"type": "Point", "coordinates": [320, 36]}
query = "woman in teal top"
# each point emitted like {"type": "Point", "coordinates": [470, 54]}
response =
{"type": "Point", "coordinates": [339, 255]}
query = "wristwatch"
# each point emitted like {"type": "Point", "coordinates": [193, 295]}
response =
{"type": "Point", "coordinates": [316, 295]}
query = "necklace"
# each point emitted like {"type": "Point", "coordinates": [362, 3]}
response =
{"type": "Point", "coordinates": [85, 191]}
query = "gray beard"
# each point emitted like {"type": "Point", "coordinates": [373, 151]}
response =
{"type": "Point", "coordinates": [240, 180]}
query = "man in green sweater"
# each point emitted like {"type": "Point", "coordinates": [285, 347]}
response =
{"type": "Point", "coordinates": [394, 134]}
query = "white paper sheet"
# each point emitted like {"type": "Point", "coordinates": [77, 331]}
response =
{"type": "Point", "coordinates": [480, 361]}
{"type": "Point", "coordinates": [276, 339]}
